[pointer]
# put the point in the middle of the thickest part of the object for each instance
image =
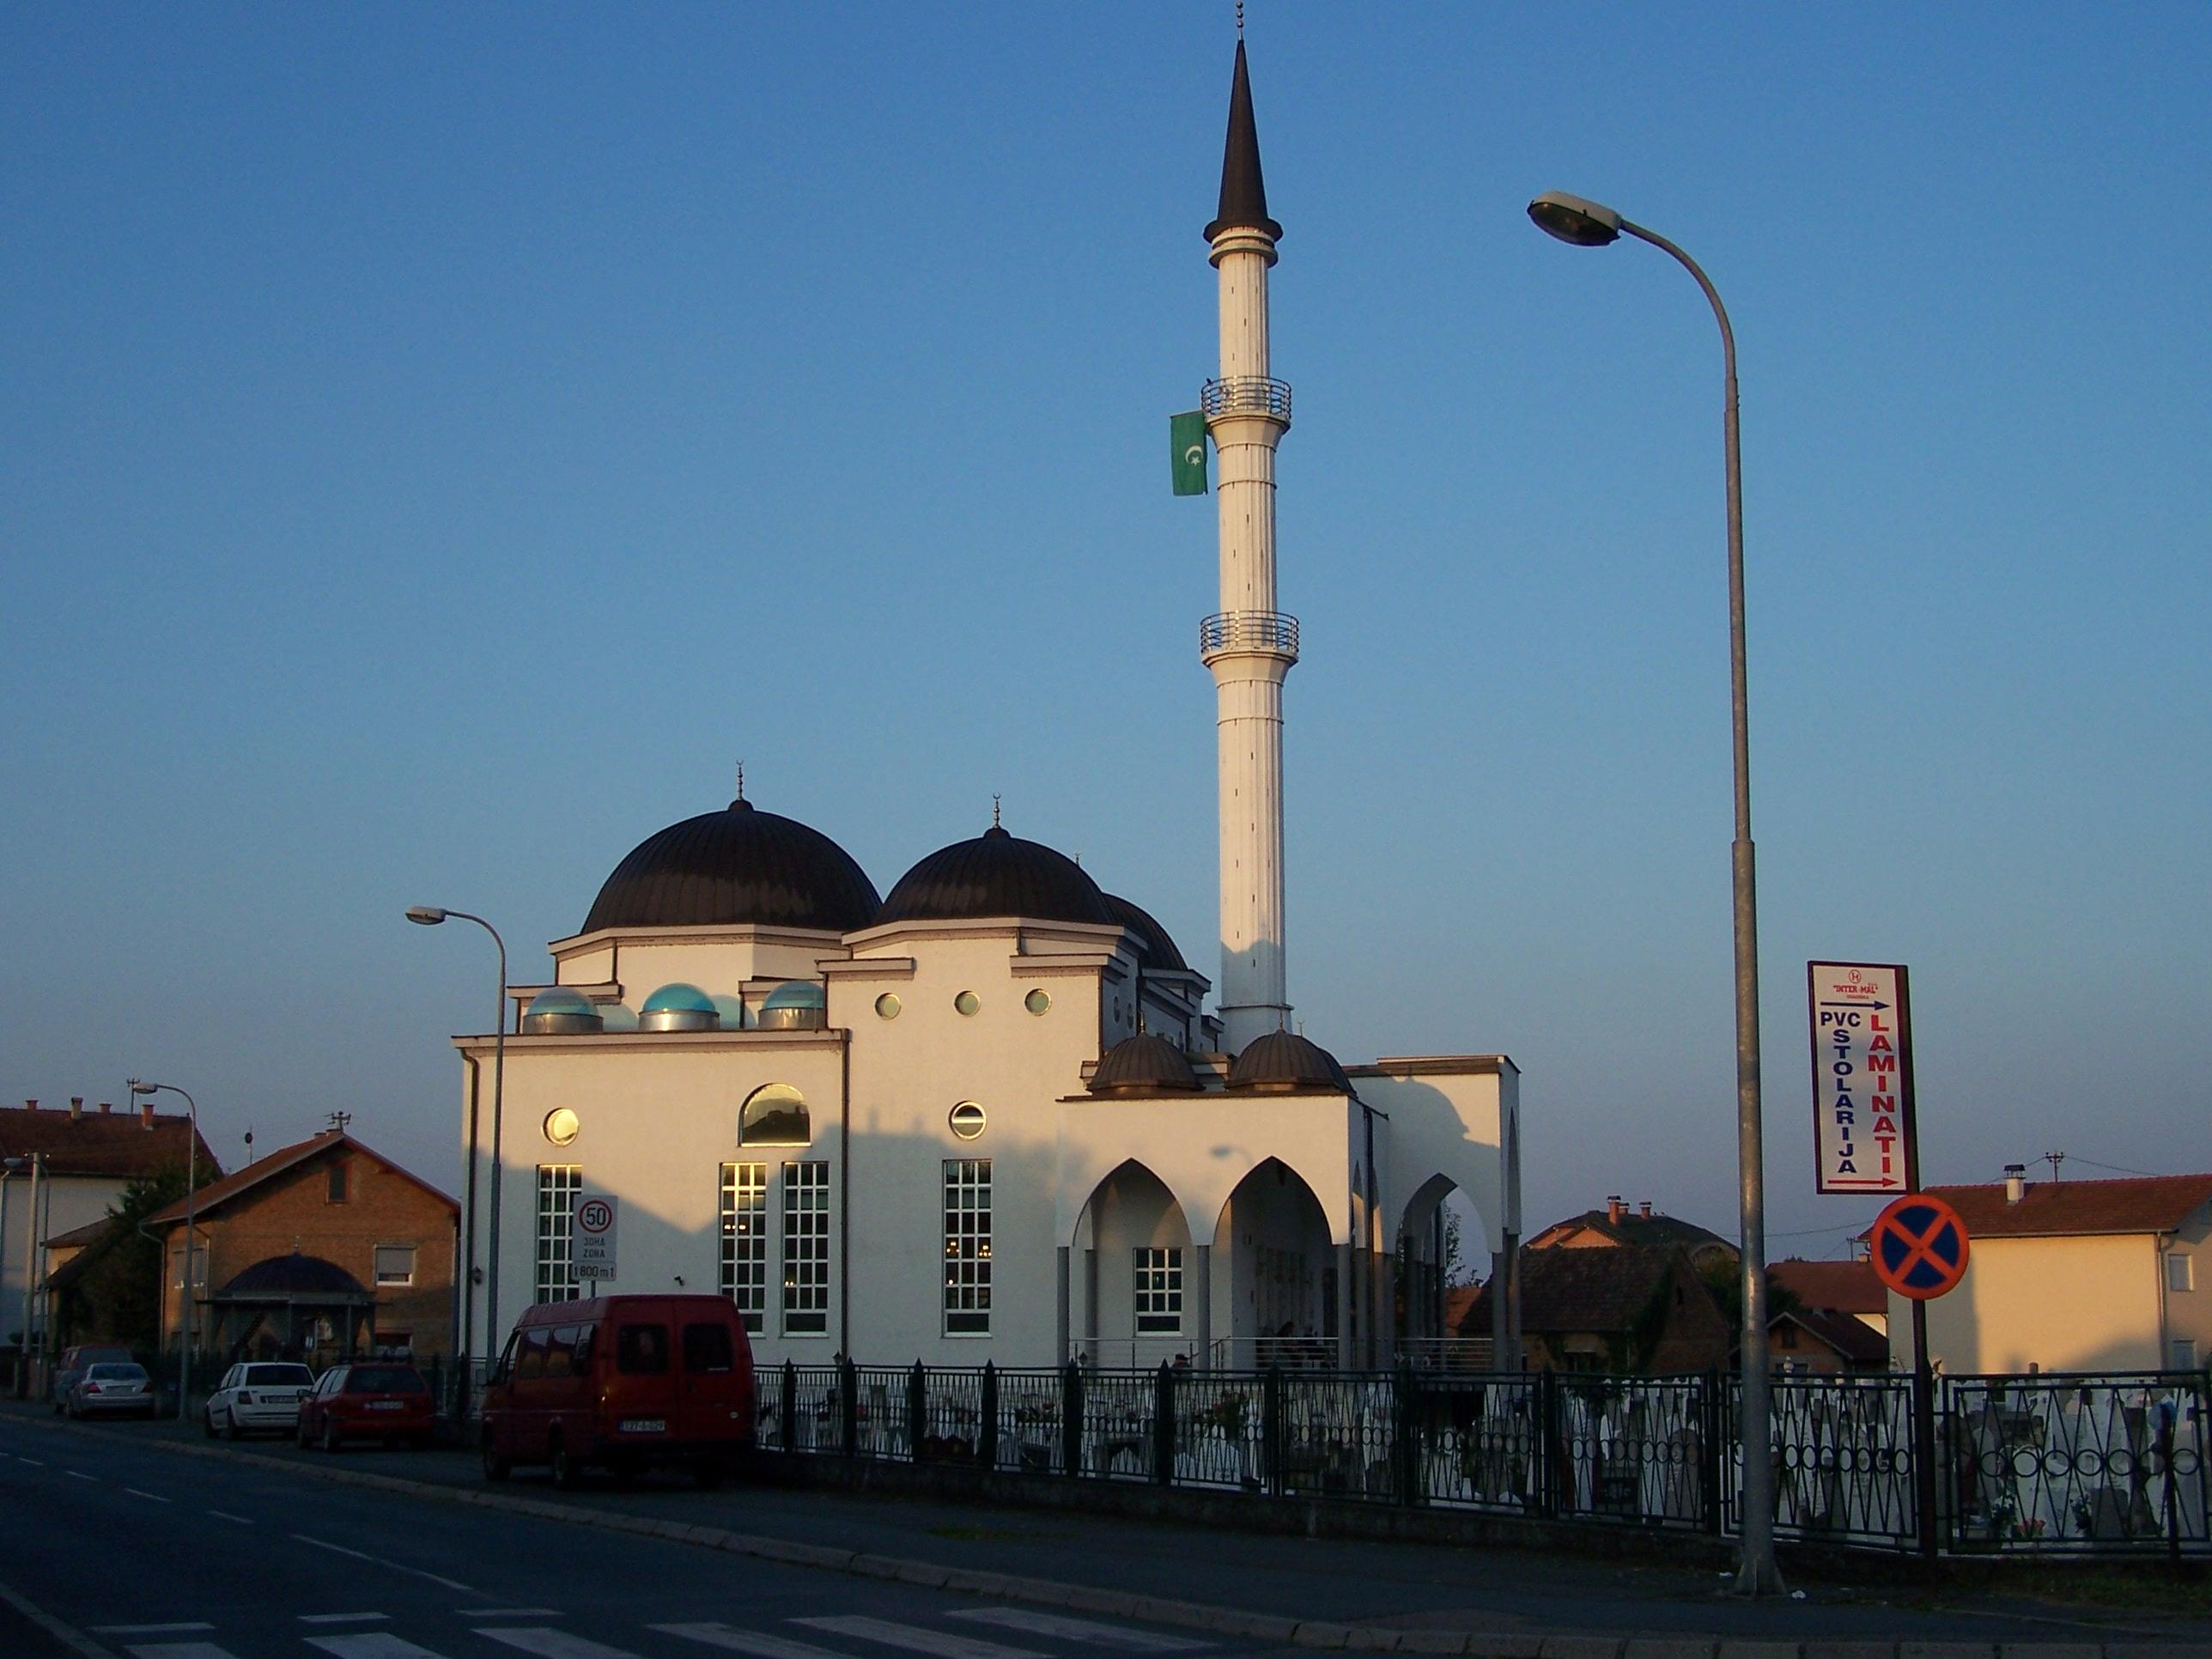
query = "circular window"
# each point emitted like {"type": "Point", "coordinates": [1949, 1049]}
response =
{"type": "Point", "coordinates": [887, 1005]}
{"type": "Point", "coordinates": [560, 1125]}
{"type": "Point", "coordinates": [967, 1120]}
{"type": "Point", "coordinates": [968, 1002]}
{"type": "Point", "coordinates": [1037, 1001]}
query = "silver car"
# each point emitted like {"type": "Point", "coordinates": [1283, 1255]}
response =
{"type": "Point", "coordinates": [111, 1388]}
{"type": "Point", "coordinates": [259, 1394]}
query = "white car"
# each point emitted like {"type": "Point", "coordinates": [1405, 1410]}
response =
{"type": "Point", "coordinates": [260, 1395]}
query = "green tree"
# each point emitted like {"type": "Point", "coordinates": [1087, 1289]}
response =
{"type": "Point", "coordinates": [117, 1298]}
{"type": "Point", "coordinates": [1725, 1281]}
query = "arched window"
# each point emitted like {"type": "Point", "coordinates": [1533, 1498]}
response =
{"type": "Point", "coordinates": [774, 1116]}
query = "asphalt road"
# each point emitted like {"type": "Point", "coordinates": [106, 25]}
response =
{"type": "Point", "coordinates": [109, 1528]}
{"type": "Point", "coordinates": [159, 1557]}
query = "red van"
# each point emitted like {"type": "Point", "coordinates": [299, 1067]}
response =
{"type": "Point", "coordinates": [621, 1382]}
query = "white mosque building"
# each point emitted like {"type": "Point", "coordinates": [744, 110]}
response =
{"type": "Point", "coordinates": [989, 1116]}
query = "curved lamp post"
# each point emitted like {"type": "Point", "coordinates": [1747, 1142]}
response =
{"type": "Point", "coordinates": [429, 915]}
{"type": "Point", "coordinates": [1589, 224]}
{"type": "Point", "coordinates": [191, 1234]}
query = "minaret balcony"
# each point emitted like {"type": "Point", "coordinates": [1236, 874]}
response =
{"type": "Point", "coordinates": [1246, 394]}
{"type": "Point", "coordinates": [1273, 633]}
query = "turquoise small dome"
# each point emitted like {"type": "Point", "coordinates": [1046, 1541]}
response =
{"type": "Point", "coordinates": [796, 994]}
{"type": "Point", "coordinates": [560, 1000]}
{"type": "Point", "coordinates": [679, 998]}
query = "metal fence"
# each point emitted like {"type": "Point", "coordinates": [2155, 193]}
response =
{"type": "Point", "coordinates": [2023, 1464]}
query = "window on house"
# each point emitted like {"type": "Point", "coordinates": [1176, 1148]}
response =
{"type": "Point", "coordinates": [336, 1192]}
{"type": "Point", "coordinates": [2184, 1353]}
{"type": "Point", "coordinates": [967, 1247]}
{"type": "Point", "coordinates": [744, 1240]}
{"type": "Point", "coordinates": [1787, 1336]}
{"type": "Point", "coordinates": [807, 1248]}
{"type": "Point", "coordinates": [2180, 1271]}
{"type": "Point", "coordinates": [557, 1186]}
{"type": "Point", "coordinates": [395, 1264]}
{"type": "Point", "coordinates": [1158, 1291]}
{"type": "Point", "coordinates": [774, 1116]}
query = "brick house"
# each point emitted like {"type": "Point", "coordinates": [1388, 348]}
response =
{"type": "Point", "coordinates": [323, 1246]}
{"type": "Point", "coordinates": [1620, 1309]}
{"type": "Point", "coordinates": [1835, 1320]}
{"type": "Point", "coordinates": [1642, 1227]}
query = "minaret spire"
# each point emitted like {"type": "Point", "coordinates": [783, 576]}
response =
{"type": "Point", "coordinates": [1249, 645]}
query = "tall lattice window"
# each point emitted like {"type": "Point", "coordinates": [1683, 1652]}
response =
{"type": "Point", "coordinates": [744, 1240]}
{"type": "Point", "coordinates": [807, 1248]}
{"type": "Point", "coordinates": [557, 1186]}
{"type": "Point", "coordinates": [1159, 1292]}
{"type": "Point", "coordinates": [967, 1247]}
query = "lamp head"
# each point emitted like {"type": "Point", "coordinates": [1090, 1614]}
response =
{"type": "Point", "coordinates": [1571, 219]}
{"type": "Point", "coordinates": [138, 1088]}
{"type": "Point", "coordinates": [428, 915]}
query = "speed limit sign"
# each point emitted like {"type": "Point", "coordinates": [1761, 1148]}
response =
{"type": "Point", "coordinates": [594, 1236]}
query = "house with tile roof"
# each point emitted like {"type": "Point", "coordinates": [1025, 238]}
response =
{"type": "Point", "coordinates": [2074, 1276]}
{"type": "Point", "coordinates": [1623, 1310]}
{"type": "Point", "coordinates": [1828, 1317]}
{"type": "Point", "coordinates": [1643, 1225]}
{"type": "Point", "coordinates": [323, 1246]}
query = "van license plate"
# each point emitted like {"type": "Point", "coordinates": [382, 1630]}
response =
{"type": "Point", "coordinates": [644, 1425]}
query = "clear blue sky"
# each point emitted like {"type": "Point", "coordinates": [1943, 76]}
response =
{"type": "Point", "coordinates": [440, 442]}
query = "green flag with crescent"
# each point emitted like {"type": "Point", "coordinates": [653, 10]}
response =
{"type": "Point", "coordinates": [1187, 437]}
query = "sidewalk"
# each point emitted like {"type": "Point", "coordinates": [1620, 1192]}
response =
{"type": "Point", "coordinates": [1502, 1603]}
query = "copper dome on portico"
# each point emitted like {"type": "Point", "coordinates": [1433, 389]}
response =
{"type": "Point", "coordinates": [1284, 1062]}
{"type": "Point", "coordinates": [1146, 1064]}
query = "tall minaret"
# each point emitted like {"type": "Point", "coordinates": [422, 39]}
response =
{"type": "Point", "coordinates": [1249, 645]}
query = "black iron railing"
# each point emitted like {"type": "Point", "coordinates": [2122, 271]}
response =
{"type": "Point", "coordinates": [2077, 1464]}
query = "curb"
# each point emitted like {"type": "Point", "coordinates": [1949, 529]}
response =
{"type": "Point", "coordinates": [1321, 1634]}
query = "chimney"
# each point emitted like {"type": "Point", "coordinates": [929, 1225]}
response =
{"type": "Point", "coordinates": [1643, 1209]}
{"type": "Point", "coordinates": [30, 1105]}
{"type": "Point", "coordinates": [1615, 1209]}
{"type": "Point", "coordinates": [107, 1105]}
{"type": "Point", "coordinates": [2015, 1182]}
{"type": "Point", "coordinates": [77, 1108]}
{"type": "Point", "coordinates": [146, 1115]}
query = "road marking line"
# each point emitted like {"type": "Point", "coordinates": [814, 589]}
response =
{"type": "Point", "coordinates": [155, 1496]}
{"type": "Point", "coordinates": [716, 1635]}
{"type": "Point", "coordinates": [33, 1462]}
{"type": "Point", "coordinates": [180, 1650]}
{"type": "Point", "coordinates": [1038, 1623]}
{"type": "Point", "coordinates": [370, 1645]}
{"type": "Point", "coordinates": [506, 1612]}
{"type": "Point", "coordinates": [913, 1637]}
{"type": "Point", "coordinates": [555, 1644]}
{"type": "Point", "coordinates": [76, 1475]}
{"type": "Point", "coordinates": [335, 1549]}
{"type": "Point", "coordinates": [151, 1629]}
{"type": "Point", "coordinates": [342, 1618]}
{"type": "Point", "coordinates": [225, 1514]}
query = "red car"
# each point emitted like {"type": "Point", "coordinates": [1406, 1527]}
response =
{"type": "Point", "coordinates": [371, 1400]}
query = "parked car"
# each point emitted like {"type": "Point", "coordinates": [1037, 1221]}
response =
{"type": "Point", "coordinates": [621, 1382]}
{"type": "Point", "coordinates": [372, 1400]}
{"type": "Point", "coordinates": [112, 1388]}
{"type": "Point", "coordinates": [257, 1394]}
{"type": "Point", "coordinates": [71, 1365]}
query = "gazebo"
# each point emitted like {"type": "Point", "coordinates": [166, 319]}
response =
{"type": "Point", "coordinates": [291, 1306]}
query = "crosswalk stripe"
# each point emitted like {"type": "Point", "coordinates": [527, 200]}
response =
{"type": "Point", "coordinates": [370, 1645]}
{"type": "Point", "coordinates": [1039, 1623]}
{"type": "Point", "coordinates": [758, 1643]}
{"type": "Point", "coordinates": [343, 1618]}
{"type": "Point", "coordinates": [177, 1628]}
{"type": "Point", "coordinates": [552, 1644]}
{"type": "Point", "coordinates": [941, 1643]}
{"type": "Point", "coordinates": [179, 1650]}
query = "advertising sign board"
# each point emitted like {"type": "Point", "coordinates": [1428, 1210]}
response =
{"type": "Point", "coordinates": [593, 1236]}
{"type": "Point", "coordinates": [1862, 1122]}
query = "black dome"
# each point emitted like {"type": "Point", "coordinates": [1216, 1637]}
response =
{"type": "Point", "coordinates": [736, 866]}
{"type": "Point", "coordinates": [1145, 1064]}
{"type": "Point", "coordinates": [1285, 1060]}
{"type": "Point", "coordinates": [997, 874]}
{"type": "Point", "coordinates": [1160, 953]}
{"type": "Point", "coordinates": [294, 1275]}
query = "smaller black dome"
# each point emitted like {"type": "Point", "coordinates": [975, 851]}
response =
{"type": "Point", "coordinates": [294, 1275]}
{"type": "Point", "coordinates": [996, 874]}
{"type": "Point", "coordinates": [1285, 1062]}
{"type": "Point", "coordinates": [1160, 953]}
{"type": "Point", "coordinates": [1145, 1064]}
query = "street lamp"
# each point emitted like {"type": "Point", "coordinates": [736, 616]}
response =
{"type": "Point", "coordinates": [1589, 224]}
{"type": "Point", "coordinates": [191, 1196]}
{"type": "Point", "coordinates": [429, 915]}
